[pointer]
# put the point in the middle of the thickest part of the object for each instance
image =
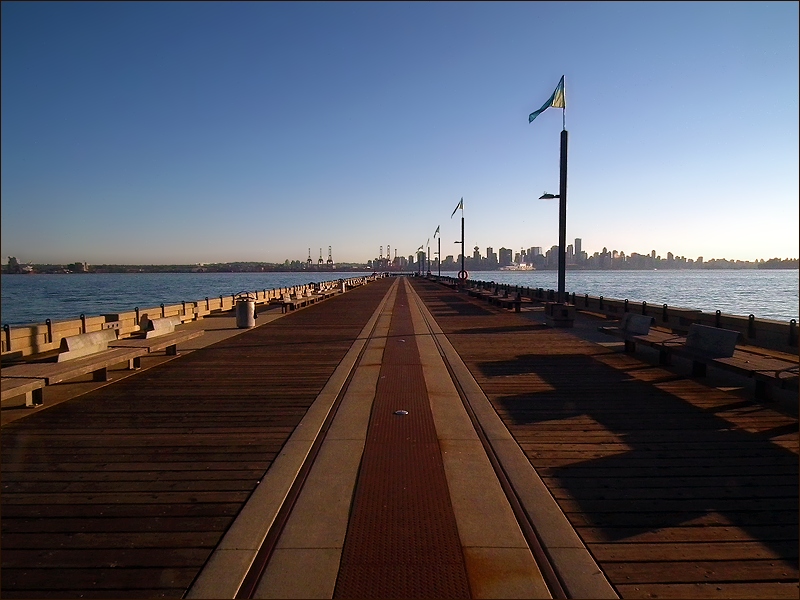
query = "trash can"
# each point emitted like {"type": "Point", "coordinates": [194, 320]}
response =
{"type": "Point", "coordinates": [245, 310]}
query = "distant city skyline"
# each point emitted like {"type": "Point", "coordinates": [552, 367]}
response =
{"type": "Point", "coordinates": [456, 255]}
{"type": "Point", "coordinates": [203, 132]}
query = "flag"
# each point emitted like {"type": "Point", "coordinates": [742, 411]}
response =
{"type": "Point", "coordinates": [557, 100]}
{"type": "Point", "coordinates": [460, 205]}
{"type": "Point", "coordinates": [435, 233]}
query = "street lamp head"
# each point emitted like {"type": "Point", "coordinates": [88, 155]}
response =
{"type": "Point", "coordinates": [546, 196]}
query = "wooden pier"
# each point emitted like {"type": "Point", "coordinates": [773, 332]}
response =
{"type": "Point", "coordinates": [277, 462]}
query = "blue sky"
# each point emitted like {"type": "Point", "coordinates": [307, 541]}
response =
{"type": "Point", "coordinates": [212, 132]}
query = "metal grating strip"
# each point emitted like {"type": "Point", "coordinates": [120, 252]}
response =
{"type": "Point", "coordinates": [402, 540]}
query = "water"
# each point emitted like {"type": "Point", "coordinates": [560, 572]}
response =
{"type": "Point", "coordinates": [34, 298]}
{"type": "Point", "coordinates": [767, 294]}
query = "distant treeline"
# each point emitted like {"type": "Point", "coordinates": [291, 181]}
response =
{"type": "Point", "coordinates": [234, 267]}
{"type": "Point", "coordinates": [777, 263]}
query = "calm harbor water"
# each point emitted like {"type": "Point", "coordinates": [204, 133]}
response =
{"type": "Point", "coordinates": [767, 294]}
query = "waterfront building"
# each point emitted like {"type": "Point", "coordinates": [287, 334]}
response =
{"type": "Point", "coordinates": [505, 257]}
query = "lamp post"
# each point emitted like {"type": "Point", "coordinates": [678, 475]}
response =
{"type": "Point", "coordinates": [557, 100]}
{"type": "Point", "coordinates": [429, 256]}
{"type": "Point", "coordinates": [562, 218]}
{"type": "Point", "coordinates": [439, 252]}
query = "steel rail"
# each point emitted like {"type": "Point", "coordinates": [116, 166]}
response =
{"type": "Point", "coordinates": [254, 574]}
{"type": "Point", "coordinates": [540, 554]}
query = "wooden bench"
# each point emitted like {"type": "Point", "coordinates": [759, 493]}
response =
{"type": "Point", "coordinates": [96, 364]}
{"type": "Point", "coordinates": [31, 388]}
{"type": "Point", "coordinates": [161, 326]}
{"type": "Point", "coordinates": [168, 341]}
{"type": "Point", "coordinates": [85, 344]}
{"type": "Point", "coordinates": [512, 301]}
{"type": "Point", "coordinates": [630, 326]}
{"type": "Point", "coordinates": [159, 334]}
{"type": "Point", "coordinates": [705, 345]}
{"type": "Point", "coordinates": [702, 345]}
{"type": "Point", "coordinates": [311, 297]}
{"type": "Point", "coordinates": [287, 302]}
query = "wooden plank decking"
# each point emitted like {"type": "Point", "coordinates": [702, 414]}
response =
{"type": "Point", "coordinates": [678, 489]}
{"type": "Point", "coordinates": [124, 492]}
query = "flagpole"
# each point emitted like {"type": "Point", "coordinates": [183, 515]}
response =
{"type": "Point", "coordinates": [464, 276]}
{"type": "Point", "coordinates": [429, 257]}
{"type": "Point", "coordinates": [562, 219]}
{"type": "Point", "coordinates": [439, 256]}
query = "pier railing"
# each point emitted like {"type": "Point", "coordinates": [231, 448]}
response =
{"type": "Point", "coordinates": [25, 340]}
{"type": "Point", "coordinates": [764, 333]}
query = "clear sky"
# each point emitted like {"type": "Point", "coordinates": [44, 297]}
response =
{"type": "Point", "coordinates": [213, 132]}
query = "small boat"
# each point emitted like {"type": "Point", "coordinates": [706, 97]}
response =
{"type": "Point", "coordinates": [516, 267]}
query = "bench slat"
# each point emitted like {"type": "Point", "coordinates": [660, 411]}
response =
{"type": "Point", "coordinates": [31, 388]}
{"type": "Point", "coordinates": [57, 372]}
{"type": "Point", "coordinates": [168, 341]}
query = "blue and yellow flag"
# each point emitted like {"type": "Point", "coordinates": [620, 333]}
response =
{"type": "Point", "coordinates": [460, 205]}
{"type": "Point", "coordinates": [557, 100]}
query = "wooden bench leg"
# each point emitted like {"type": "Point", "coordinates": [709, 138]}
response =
{"type": "Point", "coordinates": [34, 398]}
{"type": "Point", "coordinates": [630, 346]}
{"type": "Point", "coordinates": [100, 374]}
{"type": "Point", "coordinates": [763, 390]}
{"type": "Point", "coordinates": [135, 363]}
{"type": "Point", "coordinates": [698, 369]}
{"type": "Point", "coordinates": [172, 350]}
